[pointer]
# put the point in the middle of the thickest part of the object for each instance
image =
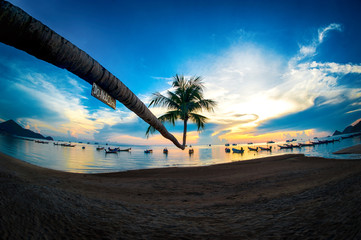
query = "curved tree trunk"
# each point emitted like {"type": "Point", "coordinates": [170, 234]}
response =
{"type": "Point", "coordinates": [20, 30]}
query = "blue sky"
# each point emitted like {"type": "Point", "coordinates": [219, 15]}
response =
{"type": "Point", "coordinates": [277, 69]}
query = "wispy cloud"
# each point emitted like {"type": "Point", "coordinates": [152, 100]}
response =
{"type": "Point", "coordinates": [322, 32]}
{"type": "Point", "coordinates": [67, 100]}
{"type": "Point", "coordinates": [310, 50]}
{"type": "Point", "coordinates": [249, 81]}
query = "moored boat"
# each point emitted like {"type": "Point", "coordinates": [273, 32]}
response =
{"type": "Point", "coordinates": [113, 149]}
{"type": "Point", "coordinates": [67, 145]}
{"type": "Point", "coordinates": [253, 149]}
{"type": "Point", "coordinates": [285, 146]}
{"type": "Point", "coordinates": [266, 148]}
{"type": "Point", "coordinates": [124, 150]}
{"type": "Point", "coordinates": [295, 145]}
{"type": "Point", "coordinates": [110, 151]}
{"type": "Point", "coordinates": [235, 150]}
{"type": "Point", "coordinates": [306, 144]}
{"type": "Point", "coordinates": [100, 148]}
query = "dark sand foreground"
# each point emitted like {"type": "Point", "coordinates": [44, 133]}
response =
{"type": "Point", "coordinates": [282, 197]}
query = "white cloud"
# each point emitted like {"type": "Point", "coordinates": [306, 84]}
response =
{"type": "Point", "coordinates": [310, 50]}
{"type": "Point", "coordinates": [77, 118]}
{"type": "Point", "coordinates": [249, 81]}
{"type": "Point", "coordinates": [322, 32]}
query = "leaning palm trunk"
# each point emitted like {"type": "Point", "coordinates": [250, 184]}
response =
{"type": "Point", "coordinates": [20, 30]}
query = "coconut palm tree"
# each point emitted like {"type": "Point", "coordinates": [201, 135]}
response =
{"type": "Point", "coordinates": [184, 103]}
{"type": "Point", "coordinates": [22, 31]}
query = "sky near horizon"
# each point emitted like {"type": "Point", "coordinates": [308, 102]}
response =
{"type": "Point", "coordinates": [277, 69]}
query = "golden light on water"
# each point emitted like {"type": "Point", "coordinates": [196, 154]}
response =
{"type": "Point", "coordinates": [276, 136]}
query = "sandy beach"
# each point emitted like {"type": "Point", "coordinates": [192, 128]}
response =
{"type": "Point", "coordinates": [282, 197]}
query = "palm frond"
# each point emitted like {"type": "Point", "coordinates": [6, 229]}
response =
{"type": "Point", "coordinates": [170, 116]}
{"type": "Point", "coordinates": [204, 104]}
{"type": "Point", "coordinates": [150, 130]}
{"type": "Point", "coordinates": [175, 98]}
{"type": "Point", "coordinates": [199, 120]}
{"type": "Point", "coordinates": [184, 102]}
{"type": "Point", "coordinates": [163, 101]}
{"type": "Point", "coordinates": [179, 81]}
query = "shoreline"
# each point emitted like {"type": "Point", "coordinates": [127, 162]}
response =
{"type": "Point", "coordinates": [287, 196]}
{"type": "Point", "coordinates": [356, 149]}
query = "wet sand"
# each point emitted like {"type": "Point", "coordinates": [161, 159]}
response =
{"type": "Point", "coordinates": [282, 197]}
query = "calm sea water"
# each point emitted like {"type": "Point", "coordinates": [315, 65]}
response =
{"type": "Point", "coordinates": [89, 160]}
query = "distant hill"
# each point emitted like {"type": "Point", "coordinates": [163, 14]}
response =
{"type": "Point", "coordinates": [337, 132]}
{"type": "Point", "coordinates": [11, 127]}
{"type": "Point", "coordinates": [349, 129]}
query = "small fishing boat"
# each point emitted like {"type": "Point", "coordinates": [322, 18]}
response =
{"type": "Point", "coordinates": [270, 142]}
{"type": "Point", "coordinates": [148, 151]}
{"type": "Point", "coordinates": [234, 144]}
{"type": "Point", "coordinates": [100, 148]}
{"type": "Point", "coordinates": [124, 150]}
{"type": "Point", "coordinates": [286, 146]}
{"type": "Point", "coordinates": [70, 145]}
{"type": "Point", "coordinates": [110, 151]}
{"type": "Point", "coordinates": [67, 145]}
{"type": "Point", "coordinates": [235, 150]}
{"type": "Point", "coordinates": [83, 147]}
{"type": "Point", "coordinates": [227, 150]}
{"type": "Point", "coordinates": [306, 144]}
{"type": "Point", "coordinates": [227, 144]}
{"type": "Point", "coordinates": [113, 149]}
{"type": "Point", "coordinates": [266, 148]}
{"type": "Point", "coordinates": [253, 149]}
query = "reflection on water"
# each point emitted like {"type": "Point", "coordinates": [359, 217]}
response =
{"type": "Point", "coordinates": [89, 160]}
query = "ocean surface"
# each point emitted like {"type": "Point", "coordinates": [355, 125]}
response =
{"type": "Point", "coordinates": [89, 160]}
